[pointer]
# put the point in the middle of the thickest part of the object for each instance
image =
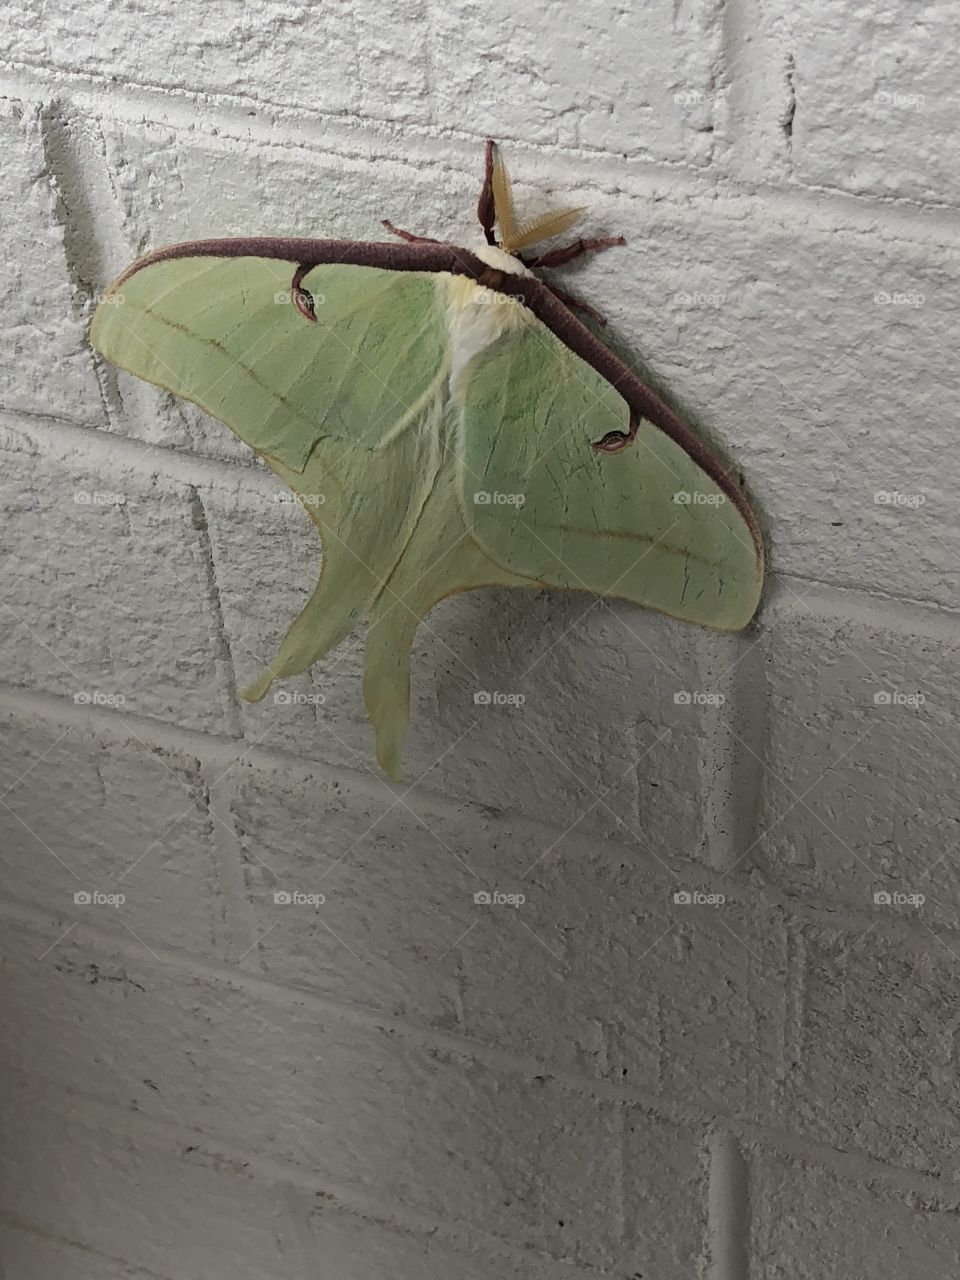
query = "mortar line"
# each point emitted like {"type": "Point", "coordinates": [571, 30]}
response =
{"type": "Point", "coordinates": [223, 655]}
{"type": "Point", "coordinates": [44, 1234]}
{"type": "Point", "coordinates": [727, 1208]}
{"type": "Point", "coordinates": [70, 181]}
{"type": "Point", "coordinates": [335, 133]}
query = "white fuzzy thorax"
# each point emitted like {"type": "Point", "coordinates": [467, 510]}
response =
{"type": "Point", "coordinates": [477, 315]}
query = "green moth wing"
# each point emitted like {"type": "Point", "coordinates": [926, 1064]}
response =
{"type": "Point", "coordinates": [366, 516]}
{"type": "Point", "coordinates": [222, 332]}
{"type": "Point", "coordinates": [440, 559]}
{"type": "Point", "coordinates": [647, 523]}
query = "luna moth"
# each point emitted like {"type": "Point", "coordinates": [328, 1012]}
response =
{"type": "Point", "coordinates": [447, 421]}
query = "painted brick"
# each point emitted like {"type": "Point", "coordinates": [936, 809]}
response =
{"type": "Point", "coordinates": [879, 123]}
{"type": "Point", "coordinates": [338, 59]}
{"type": "Point", "coordinates": [810, 1222]}
{"type": "Point", "coordinates": [350, 1104]}
{"type": "Point", "coordinates": [699, 1007]}
{"type": "Point", "coordinates": [876, 1045]}
{"type": "Point", "coordinates": [804, 333]}
{"type": "Point", "coordinates": [116, 1192]}
{"type": "Point", "coordinates": [587, 963]}
{"type": "Point", "coordinates": [650, 91]}
{"type": "Point", "coordinates": [48, 368]}
{"type": "Point", "coordinates": [125, 819]}
{"type": "Point", "coordinates": [30, 1253]}
{"type": "Point", "coordinates": [356, 1249]}
{"type": "Point", "coordinates": [860, 764]}
{"type": "Point", "coordinates": [666, 1164]}
{"type": "Point", "coordinates": [106, 593]}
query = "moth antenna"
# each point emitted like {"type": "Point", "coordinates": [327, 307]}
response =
{"type": "Point", "coordinates": [545, 227]}
{"type": "Point", "coordinates": [503, 200]}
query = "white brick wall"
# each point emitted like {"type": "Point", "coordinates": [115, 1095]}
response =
{"type": "Point", "coordinates": [200, 1083]}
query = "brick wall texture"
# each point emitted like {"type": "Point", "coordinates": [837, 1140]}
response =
{"type": "Point", "coordinates": [257, 1024]}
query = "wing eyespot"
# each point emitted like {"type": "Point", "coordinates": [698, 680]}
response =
{"type": "Point", "coordinates": [302, 298]}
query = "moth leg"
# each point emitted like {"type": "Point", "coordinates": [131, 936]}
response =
{"type": "Point", "coordinates": [566, 253]}
{"type": "Point", "coordinates": [486, 210]}
{"type": "Point", "coordinates": [407, 235]}
{"type": "Point", "coordinates": [575, 304]}
{"type": "Point", "coordinates": [614, 441]}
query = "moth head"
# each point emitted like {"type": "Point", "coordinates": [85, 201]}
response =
{"type": "Point", "coordinates": [515, 235]}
